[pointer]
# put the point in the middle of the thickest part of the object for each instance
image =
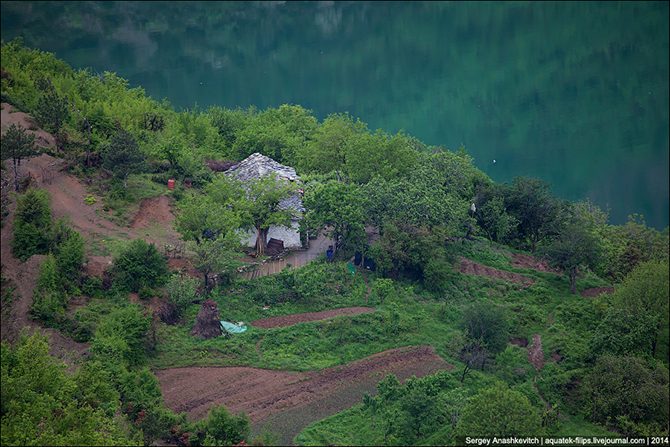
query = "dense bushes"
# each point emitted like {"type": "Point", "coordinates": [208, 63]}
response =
{"type": "Point", "coordinates": [43, 405]}
{"type": "Point", "coordinates": [139, 265]}
{"type": "Point", "coordinates": [627, 393]}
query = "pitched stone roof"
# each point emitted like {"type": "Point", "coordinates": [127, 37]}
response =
{"type": "Point", "coordinates": [258, 165]}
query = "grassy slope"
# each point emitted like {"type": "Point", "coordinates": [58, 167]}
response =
{"type": "Point", "coordinates": [412, 316]}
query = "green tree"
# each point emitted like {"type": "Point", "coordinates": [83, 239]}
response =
{"type": "Point", "coordinates": [499, 411]}
{"type": "Point", "coordinates": [52, 109]}
{"type": "Point", "coordinates": [181, 290]}
{"type": "Point", "coordinates": [326, 150]}
{"type": "Point", "coordinates": [17, 144]}
{"type": "Point", "coordinates": [276, 132]}
{"type": "Point", "coordinates": [139, 265]}
{"type": "Point", "coordinates": [122, 156]}
{"type": "Point", "coordinates": [340, 208]}
{"type": "Point", "coordinates": [487, 323]}
{"type": "Point", "coordinates": [267, 205]}
{"type": "Point", "coordinates": [537, 210]}
{"type": "Point", "coordinates": [625, 386]}
{"type": "Point", "coordinates": [202, 216]}
{"type": "Point", "coordinates": [32, 224]}
{"type": "Point", "coordinates": [576, 247]}
{"type": "Point", "coordinates": [218, 256]}
{"type": "Point", "coordinates": [643, 297]}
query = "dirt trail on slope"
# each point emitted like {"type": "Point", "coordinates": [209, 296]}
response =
{"type": "Point", "coordinates": [535, 353]}
{"type": "Point", "coordinates": [472, 268]}
{"type": "Point", "coordinates": [296, 399]}
{"type": "Point", "coordinates": [290, 320]}
{"type": "Point", "coordinates": [596, 291]}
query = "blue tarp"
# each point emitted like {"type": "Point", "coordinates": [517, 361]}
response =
{"type": "Point", "coordinates": [232, 328]}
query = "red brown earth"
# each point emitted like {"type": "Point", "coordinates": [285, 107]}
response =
{"type": "Point", "coordinates": [10, 115]}
{"type": "Point", "coordinates": [290, 320]}
{"type": "Point", "coordinates": [595, 291]}
{"type": "Point", "coordinates": [469, 267]}
{"type": "Point", "coordinates": [525, 261]}
{"type": "Point", "coordinates": [296, 399]}
{"type": "Point", "coordinates": [155, 210]}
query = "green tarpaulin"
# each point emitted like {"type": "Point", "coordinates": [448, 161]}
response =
{"type": "Point", "coordinates": [232, 328]}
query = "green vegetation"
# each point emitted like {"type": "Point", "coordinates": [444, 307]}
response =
{"type": "Point", "coordinates": [32, 224]}
{"type": "Point", "coordinates": [16, 143]}
{"type": "Point", "coordinates": [420, 201]}
{"type": "Point", "coordinates": [139, 265]}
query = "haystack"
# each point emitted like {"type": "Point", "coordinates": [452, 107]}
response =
{"type": "Point", "coordinates": [207, 323]}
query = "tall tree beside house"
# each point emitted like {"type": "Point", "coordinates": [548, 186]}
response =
{"type": "Point", "coordinates": [17, 144]}
{"type": "Point", "coordinates": [264, 206]}
{"type": "Point", "coordinates": [339, 207]}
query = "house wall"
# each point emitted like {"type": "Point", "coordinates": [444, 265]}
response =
{"type": "Point", "coordinates": [290, 235]}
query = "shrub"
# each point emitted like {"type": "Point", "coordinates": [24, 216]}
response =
{"type": "Point", "coordinates": [181, 290]}
{"type": "Point", "coordinates": [130, 326]}
{"type": "Point", "coordinates": [48, 298]}
{"type": "Point", "coordinates": [222, 428]}
{"type": "Point", "coordinates": [139, 265]}
{"type": "Point", "coordinates": [487, 323]}
{"type": "Point", "coordinates": [69, 259]}
{"type": "Point", "coordinates": [499, 411]}
{"type": "Point", "coordinates": [32, 224]}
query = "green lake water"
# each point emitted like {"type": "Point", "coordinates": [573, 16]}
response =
{"type": "Point", "coordinates": [573, 93]}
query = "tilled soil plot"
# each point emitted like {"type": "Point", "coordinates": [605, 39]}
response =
{"type": "Point", "coordinates": [286, 402]}
{"type": "Point", "coordinates": [472, 268]}
{"type": "Point", "coordinates": [290, 320]}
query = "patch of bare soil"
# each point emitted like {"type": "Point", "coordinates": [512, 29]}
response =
{"type": "Point", "coordinates": [10, 115]}
{"type": "Point", "coordinates": [290, 320]}
{"type": "Point", "coordinates": [525, 261]}
{"type": "Point", "coordinates": [519, 341]}
{"type": "Point", "coordinates": [155, 210]}
{"type": "Point", "coordinates": [96, 265]}
{"type": "Point", "coordinates": [595, 291]}
{"type": "Point", "coordinates": [469, 267]}
{"type": "Point", "coordinates": [535, 354]}
{"type": "Point", "coordinates": [183, 265]}
{"type": "Point", "coordinates": [294, 399]}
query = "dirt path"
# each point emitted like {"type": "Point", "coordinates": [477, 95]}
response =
{"type": "Point", "coordinates": [285, 402]}
{"type": "Point", "coordinates": [290, 320]}
{"type": "Point", "coordinates": [535, 353]}
{"type": "Point", "coordinates": [595, 291]}
{"type": "Point", "coordinates": [296, 258]}
{"type": "Point", "coordinates": [470, 267]}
